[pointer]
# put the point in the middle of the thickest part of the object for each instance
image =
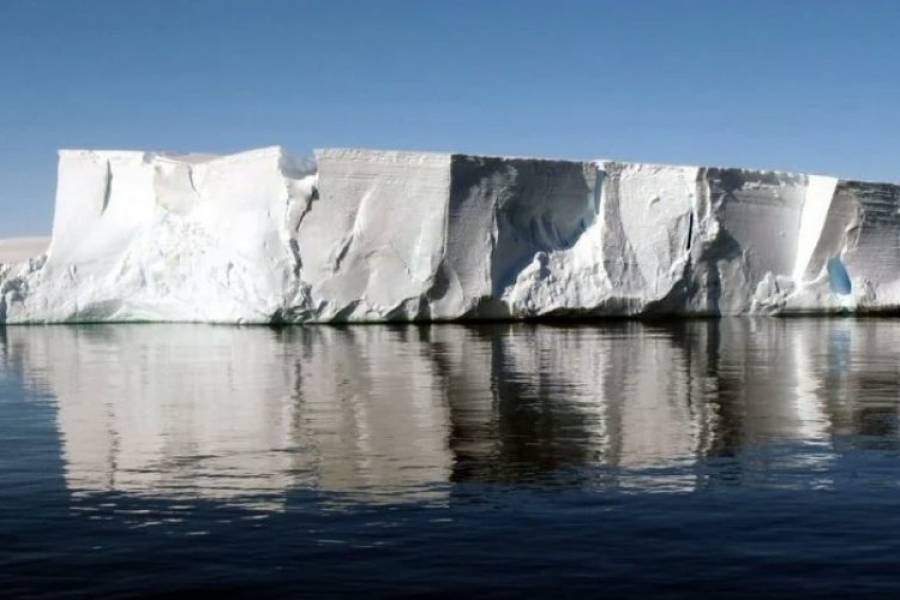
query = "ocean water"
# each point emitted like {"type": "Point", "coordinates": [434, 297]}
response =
{"type": "Point", "coordinates": [733, 457]}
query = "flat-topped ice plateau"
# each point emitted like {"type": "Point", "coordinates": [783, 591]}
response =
{"type": "Point", "coordinates": [365, 235]}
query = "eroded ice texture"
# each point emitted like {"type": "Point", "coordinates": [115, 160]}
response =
{"type": "Point", "coordinates": [362, 235]}
{"type": "Point", "coordinates": [142, 236]}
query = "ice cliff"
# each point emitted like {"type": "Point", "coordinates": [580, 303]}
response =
{"type": "Point", "coordinates": [360, 235]}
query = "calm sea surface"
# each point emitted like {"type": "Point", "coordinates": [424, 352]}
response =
{"type": "Point", "coordinates": [742, 457]}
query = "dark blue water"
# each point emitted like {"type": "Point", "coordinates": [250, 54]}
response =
{"type": "Point", "coordinates": [736, 457]}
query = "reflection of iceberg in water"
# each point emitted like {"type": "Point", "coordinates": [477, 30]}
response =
{"type": "Point", "coordinates": [652, 406]}
{"type": "Point", "coordinates": [614, 396]}
{"type": "Point", "coordinates": [401, 413]}
{"type": "Point", "coordinates": [370, 413]}
{"type": "Point", "coordinates": [659, 410]}
{"type": "Point", "coordinates": [237, 415]}
{"type": "Point", "coordinates": [142, 411]}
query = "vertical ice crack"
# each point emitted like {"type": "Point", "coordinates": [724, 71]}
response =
{"type": "Point", "coordinates": [107, 192]}
{"type": "Point", "coordinates": [690, 231]}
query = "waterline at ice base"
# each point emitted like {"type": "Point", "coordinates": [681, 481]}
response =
{"type": "Point", "coordinates": [374, 236]}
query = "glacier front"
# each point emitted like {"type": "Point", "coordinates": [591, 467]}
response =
{"type": "Point", "coordinates": [367, 236]}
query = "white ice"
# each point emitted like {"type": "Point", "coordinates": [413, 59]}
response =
{"type": "Point", "coordinates": [366, 235]}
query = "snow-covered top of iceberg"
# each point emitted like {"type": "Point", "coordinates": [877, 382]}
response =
{"type": "Point", "coordinates": [16, 250]}
{"type": "Point", "coordinates": [373, 235]}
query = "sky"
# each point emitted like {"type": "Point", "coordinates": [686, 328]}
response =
{"type": "Point", "coordinates": [805, 85]}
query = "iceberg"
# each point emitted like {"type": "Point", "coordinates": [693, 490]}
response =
{"type": "Point", "coordinates": [372, 236]}
{"type": "Point", "coordinates": [15, 250]}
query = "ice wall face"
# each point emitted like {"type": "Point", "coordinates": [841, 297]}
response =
{"type": "Point", "coordinates": [154, 237]}
{"type": "Point", "coordinates": [373, 237]}
{"type": "Point", "coordinates": [515, 212]}
{"type": "Point", "coordinates": [747, 228]}
{"type": "Point", "coordinates": [364, 235]}
{"type": "Point", "coordinates": [629, 255]}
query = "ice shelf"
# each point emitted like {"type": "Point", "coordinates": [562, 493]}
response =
{"type": "Point", "coordinates": [366, 235]}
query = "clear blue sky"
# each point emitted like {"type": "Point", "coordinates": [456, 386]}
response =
{"type": "Point", "coordinates": [802, 85]}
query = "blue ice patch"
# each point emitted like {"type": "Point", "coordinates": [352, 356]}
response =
{"type": "Point", "coordinates": [840, 279]}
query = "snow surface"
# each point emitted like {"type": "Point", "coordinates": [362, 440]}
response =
{"type": "Point", "coordinates": [366, 235]}
{"type": "Point", "coordinates": [16, 250]}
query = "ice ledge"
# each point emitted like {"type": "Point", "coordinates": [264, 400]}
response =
{"type": "Point", "coordinates": [372, 235]}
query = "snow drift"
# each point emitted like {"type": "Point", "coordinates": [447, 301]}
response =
{"type": "Point", "coordinates": [363, 235]}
